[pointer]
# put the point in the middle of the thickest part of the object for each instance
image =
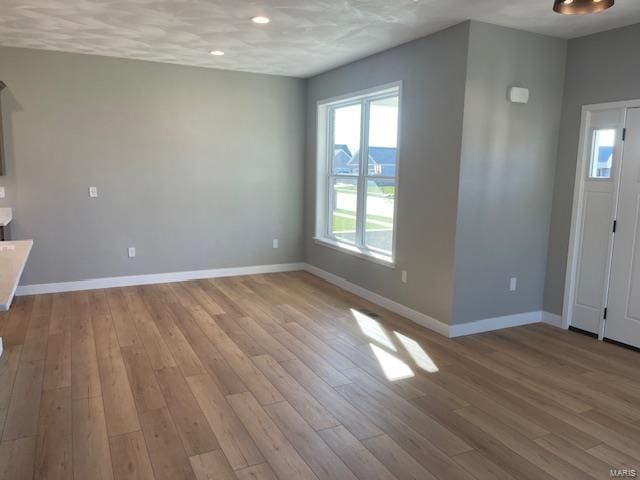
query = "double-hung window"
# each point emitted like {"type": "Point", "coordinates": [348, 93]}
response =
{"type": "Point", "coordinates": [357, 172]}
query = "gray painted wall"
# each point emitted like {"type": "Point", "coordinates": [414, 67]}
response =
{"type": "Point", "coordinates": [506, 173]}
{"type": "Point", "coordinates": [201, 168]}
{"type": "Point", "coordinates": [197, 168]}
{"type": "Point", "coordinates": [433, 73]}
{"type": "Point", "coordinates": [600, 68]}
{"type": "Point", "coordinates": [480, 195]}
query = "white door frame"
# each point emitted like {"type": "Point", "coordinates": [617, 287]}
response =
{"type": "Point", "coordinates": [577, 210]}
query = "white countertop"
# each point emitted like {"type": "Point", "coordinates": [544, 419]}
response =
{"type": "Point", "coordinates": [6, 215]}
{"type": "Point", "coordinates": [13, 257]}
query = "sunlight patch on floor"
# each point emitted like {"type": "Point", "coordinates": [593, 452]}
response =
{"type": "Point", "coordinates": [372, 329]}
{"type": "Point", "coordinates": [393, 368]}
{"type": "Point", "coordinates": [422, 358]}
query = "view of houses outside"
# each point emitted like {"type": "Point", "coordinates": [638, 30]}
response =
{"type": "Point", "coordinates": [381, 173]}
{"type": "Point", "coordinates": [603, 143]}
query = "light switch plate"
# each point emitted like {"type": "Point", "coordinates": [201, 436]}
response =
{"type": "Point", "coordinates": [513, 284]}
{"type": "Point", "coordinates": [93, 192]}
{"type": "Point", "coordinates": [132, 252]}
{"type": "Point", "coordinates": [2, 192]}
{"type": "Point", "coordinates": [276, 243]}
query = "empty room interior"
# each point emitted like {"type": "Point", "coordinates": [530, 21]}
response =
{"type": "Point", "coordinates": [324, 240]}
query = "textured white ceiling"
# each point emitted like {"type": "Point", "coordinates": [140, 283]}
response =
{"type": "Point", "coordinates": [305, 37]}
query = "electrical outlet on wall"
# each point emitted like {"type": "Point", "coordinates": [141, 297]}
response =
{"type": "Point", "coordinates": [276, 243]}
{"type": "Point", "coordinates": [404, 276]}
{"type": "Point", "coordinates": [93, 192]}
{"type": "Point", "coordinates": [1, 192]}
{"type": "Point", "coordinates": [513, 284]}
{"type": "Point", "coordinates": [132, 252]}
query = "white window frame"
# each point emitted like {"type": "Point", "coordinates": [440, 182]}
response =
{"type": "Point", "coordinates": [325, 176]}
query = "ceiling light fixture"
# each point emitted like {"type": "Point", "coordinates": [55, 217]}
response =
{"type": "Point", "coordinates": [217, 53]}
{"type": "Point", "coordinates": [260, 20]}
{"type": "Point", "coordinates": [581, 7]}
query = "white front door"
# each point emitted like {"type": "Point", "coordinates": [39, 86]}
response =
{"type": "Point", "coordinates": [603, 139]}
{"type": "Point", "coordinates": [623, 308]}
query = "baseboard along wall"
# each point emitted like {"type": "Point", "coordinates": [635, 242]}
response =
{"type": "Point", "coordinates": [419, 318]}
{"type": "Point", "coordinates": [451, 331]}
{"type": "Point", "coordinates": [154, 278]}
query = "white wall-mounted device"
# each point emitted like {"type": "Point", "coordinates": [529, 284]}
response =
{"type": "Point", "coordinates": [519, 95]}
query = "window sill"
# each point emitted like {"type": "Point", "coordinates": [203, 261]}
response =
{"type": "Point", "coordinates": [349, 249]}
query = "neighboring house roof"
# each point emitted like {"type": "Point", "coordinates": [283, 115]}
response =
{"type": "Point", "coordinates": [341, 158]}
{"type": "Point", "coordinates": [383, 155]}
{"type": "Point", "coordinates": [604, 157]}
{"type": "Point", "coordinates": [342, 147]}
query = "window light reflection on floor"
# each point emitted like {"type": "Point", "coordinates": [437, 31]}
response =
{"type": "Point", "coordinates": [372, 329]}
{"type": "Point", "coordinates": [393, 368]}
{"type": "Point", "coordinates": [422, 358]}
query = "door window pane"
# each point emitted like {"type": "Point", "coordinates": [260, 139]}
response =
{"type": "Point", "coordinates": [602, 154]}
{"type": "Point", "coordinates": [344, 202]}
{"type": "Point", "coordinates": [383, 137]}
{"type": "Point", "coordinates": [381, 197]}
{"type": "Point", "coordinates": [346, 140]}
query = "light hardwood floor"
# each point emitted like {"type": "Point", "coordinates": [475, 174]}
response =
{"type": "Point", "coordinates": [285, 376]}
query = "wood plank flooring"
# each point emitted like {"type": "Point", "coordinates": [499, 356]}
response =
{"type": "Point", "coordinates": [285, 376]}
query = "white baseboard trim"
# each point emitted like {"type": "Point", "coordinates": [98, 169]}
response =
{"type": "Point", "coordinates": [132, 280]}
{"type": "Point", "coordinates": [426, 321]}
{"type": "Point", "coordinates": [552, 319]}
{"type": "Point", "coordinates": [413, 315]}
{"type": "Point", "coordinates": [495, 323]}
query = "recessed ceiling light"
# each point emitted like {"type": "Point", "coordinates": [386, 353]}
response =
{"type": "Point", "coordinates": [217, 53]}
{"type": "Point", "coordinates": [260, 20]}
